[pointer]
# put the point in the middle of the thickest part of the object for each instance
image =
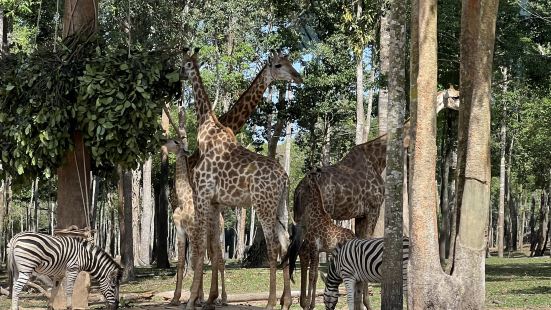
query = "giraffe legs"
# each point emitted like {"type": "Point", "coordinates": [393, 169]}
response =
{"type": "Point", "coordinates": [199, 245]}
{"type": "Point", "coordinates": [304, 264]}
{"type": "Point", "coordinates": [313, 276]}
{"type": "Point", "coordinates": [179, 272]}
{"type": "Point", "coordinates": [214, 249]}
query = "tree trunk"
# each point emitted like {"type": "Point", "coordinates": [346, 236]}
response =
{"type": "Point", "coordinates": [501, 209]}
{"type": "Point", "coordinates": [279, 125]}
{"type": "Point", "coordinates": [147, 214]}
{"type": "Point", "coordinates": [430, 288]}
{"type": "Point", "coordinates": [241, 215]}
{"type": "Point", "coordinates": [161, 207]}
{"type": "Point", "coordinates": [73, 188]}
{"type": "Point", "coordinates": [542, 230]}
{"type": "Point", "coordinates": [360, 113]}
{"type": "Point", "coordinates": [136, 185]}
{"type": "Point", "coordinates": [392, 292]}
{"type": "Point", "coordinates": [5, 29]}
{"type": "Point", "coordinates": [444, 234]}
{"type": "Point", "coordinates": [125, 224]}
{"type": "Point", "coordinates": [370, 82]}
{"type": "Point", "coordinates": [94, 203]}
{"type": "Point", "coordinates": [251, 229]}
{"type": "Point", "coordinates": [326, 148]}
{"type": "Point", "coordinates": [384, 59]}
{"type": "Point", "coordinates": [3, 190]}
{"type": "Point", "coordinates": [533, 223]}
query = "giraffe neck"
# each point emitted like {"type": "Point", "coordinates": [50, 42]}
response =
{"type": "Point", "coordinates": [238, 114]}
{"type": "Point", "coordinates": [202, 102]}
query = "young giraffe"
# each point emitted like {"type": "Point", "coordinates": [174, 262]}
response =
{"type": "Point", "coordinates": [228, 174]}
{"type": "Point", "coordinates": [322, 235]}
{"type": "Point", "coordinates": [277, 68]}
{"type": "Point", "coordinates": [183, 218]}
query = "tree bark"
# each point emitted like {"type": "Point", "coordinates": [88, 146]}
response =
{"type": "Point", "coordinates": [383, 99]}
{"type": "Point", "coordinates": [501, 209]}
{"type": "Point", "coordinates": [533, 223]}
{"type": "Point", "coordinates": [241, 215]}
{"type": "Point", "coordinates": [543, 221]}
{"type": "Point", "coordinates": [392, 292]}
{"type": "Point", "coordinates": [147, 214]}
{"type": "Point", "coordinates": [360, 112]}
{"type": "Point", "coordinates": [136, 185]}
{"type": "Point", "coordinates": [125, 224]}
{"type": "Point", "coordinates": [5, 29]}
{"type": "Point", "coordinates": [279, 125]}
{"type": "Point", "coordinates": [370, 82]}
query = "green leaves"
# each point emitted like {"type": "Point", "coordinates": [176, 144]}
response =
{"type": "Point", "coordinates": [111, 98]}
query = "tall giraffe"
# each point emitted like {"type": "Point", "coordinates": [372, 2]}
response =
{"type": "Point", "coordinates": [277, 68]}
{"type": "Point", "coordinates": [228, 174]}
{"type": "Point", "coordinates": [322, 235]}
{"type": "Point", "coordinates": [183, 218]}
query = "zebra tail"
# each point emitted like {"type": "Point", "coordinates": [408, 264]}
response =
{"type": "Point", "coordinates": [11, 266]}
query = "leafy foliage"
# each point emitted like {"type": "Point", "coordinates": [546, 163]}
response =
{"type": "Point", "coordinates": [111, 97]}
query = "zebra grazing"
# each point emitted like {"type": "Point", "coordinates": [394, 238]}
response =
{"type": "Point", "coordinates": [357, 260]}
{"type": "Point", "coordinates": [58, 257]}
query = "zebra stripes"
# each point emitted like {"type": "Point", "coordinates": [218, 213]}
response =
{"type": "Point", "coordinates": [357, 260]}
{"type": "Point", "coordinates": [58, 257]}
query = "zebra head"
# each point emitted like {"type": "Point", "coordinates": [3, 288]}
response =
{"type": "Point", "coordinates": [109, 287]}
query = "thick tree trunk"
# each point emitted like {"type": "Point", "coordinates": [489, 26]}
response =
{"type": "Point", "coordinates": [501, 207]}
{"type": "Point", "coordinates": [251, 229]}
{"type": "Point", "coordinates": [393, 255]}
{"type": "Point", "coordinates": [147, 214]}
{"type": "Point", "coordinates": [73, 188]}
{"type": "Point", "coordinates": [125, 224]}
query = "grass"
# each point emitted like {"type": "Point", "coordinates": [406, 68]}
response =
{"type": "Point", "coordinates": [519, 282]}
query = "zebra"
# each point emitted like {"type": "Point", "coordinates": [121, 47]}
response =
{"type": "Point", "coordinates": [357, 260]}
{"type": "Point", "coordinates": [58, 257]}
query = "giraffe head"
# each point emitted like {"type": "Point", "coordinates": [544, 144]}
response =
{"type": "Point", "coordinates": [447, 98]}
{"type": "Point", "coordinates": [279, 68]}
{"type": "Point", "coordinates": [175, 146]}
{"type": "Point", "coordinates": [189, 63]}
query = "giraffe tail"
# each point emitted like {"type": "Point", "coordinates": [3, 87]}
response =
{"type": "Point", "coordinates": [283, 219]}
{"type": "Point", "coordinates": [294, 248]}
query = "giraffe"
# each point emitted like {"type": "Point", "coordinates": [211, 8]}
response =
{"type": "Point", "coordinates": [228, 174]}
{"type": "Point", "coordinates": [354, 187]}
{"type": "Point", "coordinates": [183, 218]}
{"type": "Point", "coordinates": [277, 68]}
{"type": "Point", "coordinates": [322, 235]}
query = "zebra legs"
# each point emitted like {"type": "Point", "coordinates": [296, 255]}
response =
{"type": "Point", "coordinates": [70, 278]}
{"type": "Point", "coordinates": [19, 281]}
{"type": "Point", "coordinates": [350, 284]}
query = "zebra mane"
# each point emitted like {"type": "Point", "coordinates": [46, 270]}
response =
{"type": "Point", "coordinates": [90, 245]}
